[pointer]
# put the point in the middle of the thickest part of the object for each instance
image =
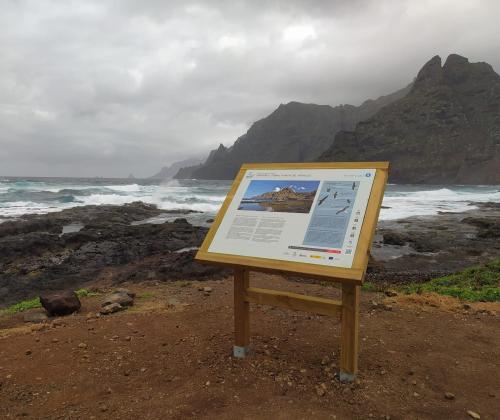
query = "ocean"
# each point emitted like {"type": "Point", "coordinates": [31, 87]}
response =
{"type": "Point", "coordinates": [20, 196]}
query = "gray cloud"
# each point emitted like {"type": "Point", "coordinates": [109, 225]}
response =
{"type": "Point", "coordinates": [113, 87]}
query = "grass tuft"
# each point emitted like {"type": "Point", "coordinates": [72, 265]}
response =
{"type": "Point", "coordinates": [85, 293]}
{"type": "Point", "coordinates": [371, 287]}
{"type": "Point", "coordinates": [22, 306]}
{"type": "Point", "coordinates": [478, 283]}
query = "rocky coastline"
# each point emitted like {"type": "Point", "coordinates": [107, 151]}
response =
{"type": "Point", "coordinates": [419, 248]}
{"type": "Point", "coordinates": [85, 245]}
{"type": "Point", "coordinates": [36, 256]}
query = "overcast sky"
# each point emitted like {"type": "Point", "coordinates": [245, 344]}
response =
{"type": "Point", "coordinates": [108, 88]}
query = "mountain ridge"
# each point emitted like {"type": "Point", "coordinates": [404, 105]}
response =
{"type": "Point", "coordinates": [443, 128]}
{"type": "Point", "coordinates": [446, 130]}
{"type": "Point", "coordinates": [168, 172]}
{"type": "Point", "coordinates": [293, 132]}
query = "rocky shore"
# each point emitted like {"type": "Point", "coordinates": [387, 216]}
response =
{"type": "Point", "coordinates": [419, 248]}
{"type": "Point", "coordinates": [90, 244]}
{"type": "Point", "coordinates": [93, 243]}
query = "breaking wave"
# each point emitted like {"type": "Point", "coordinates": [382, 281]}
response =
{"type": "Point", "coordinates": [32, 196]}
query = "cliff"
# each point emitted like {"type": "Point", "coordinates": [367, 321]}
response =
{"type": "Point", "coordinates": [446, 130]}
{"type": "Point", "coordinates": [295, 132]}
{"type": "Point", "coordinates": [168, 172]}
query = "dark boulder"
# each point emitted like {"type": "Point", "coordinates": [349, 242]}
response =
{"type": "Point", "coordinates": [487, 227]}
{"type": "Point", "coordinates": [181, 220]}
{"type": "Point", "coordinates": [394, 238]}
{"type": "Point", "coordinates": [60, 303]}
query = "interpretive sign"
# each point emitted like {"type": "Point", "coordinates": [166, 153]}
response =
{"type": "Point", "coordinates": [309, 216]}
{"type": "Point", "coordinates": [313, 219]}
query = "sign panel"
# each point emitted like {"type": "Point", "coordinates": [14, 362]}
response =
{"type": "Point", "coordinates": [306, 215]}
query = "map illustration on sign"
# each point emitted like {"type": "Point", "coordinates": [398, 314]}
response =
{"type": "Point", "coordinates": [279, 196]}
{"type": "Point", "coordinates": [331, 214]}
{"type": "Point", "coordinates": [311, 216]}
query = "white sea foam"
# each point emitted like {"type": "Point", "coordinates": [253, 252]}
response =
{"type": "Point", "coordinates": [74, 187]}
{"type": "Point", "coordinates": [206, 196]}
{"type": "Point", "coordinates": [98, 199]}
{"type": "Point", "coordinates": [126, 188]}
{"type": "Point", "coordinates": [198, 203]}
{"type": "Point", "coordinates": [193, 198]}
{"type": "Point", "coordinates": [20, 208]}
{"type": "Point", "coordinates": [445, 194]}
{"type": "Point", "coordinates": [429, 202]}
{"type": "Point", "coordinates": [205, 207]}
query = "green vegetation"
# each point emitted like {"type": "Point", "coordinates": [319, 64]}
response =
{"type": "Point", "coordinates": [146, 295]}
{"type": "Point", "coordinates": [85, 293]}
{"type": "Point", "coordinates": [371, 287]}
{"type": "Point", "coordinates": [22, 306]}
{"type": "Point", "coordinates": [478, 283]}
{"type": "Point", "coordinates": [35, 303]}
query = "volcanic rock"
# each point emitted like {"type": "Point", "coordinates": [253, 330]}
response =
{"type": "Point", "coordinates": [449, 395]}
{"type": "Point", "coordinates": [111, 308]}
{"type": "Point", "coordinates": [60, 303]}
{"type": "Point", "coordinates": [35, 256]}
{"type": "Point", "coordinates": [445, 131]}
{"type": "Point", "coordinates": [394, 238]}
{"type": "Point", "coordinates": [35, 317]}
{"type": "Point", "coordinates": [487, 228]}
{"type": "Point", "coordinates": [294, 132]}
{"type": "Point", "coordinates": [121, 296]}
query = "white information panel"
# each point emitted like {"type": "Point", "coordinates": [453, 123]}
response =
{"type": "Point", "coordinates": [301, 215]}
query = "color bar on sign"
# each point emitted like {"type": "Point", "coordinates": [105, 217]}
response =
{"type": "Point", "coordinates": [305, 248]}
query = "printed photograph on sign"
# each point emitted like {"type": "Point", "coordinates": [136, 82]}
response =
{"type": "Point", "coordinates": [279, 196]}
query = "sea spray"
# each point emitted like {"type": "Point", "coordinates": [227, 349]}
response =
{"type": "Point", "coordinates": [38, 196]}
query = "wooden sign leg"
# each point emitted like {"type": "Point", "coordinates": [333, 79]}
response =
{"type": "Point", "coordinates": [349, 344]}
{"type": "Point", "coordinates": [241, 314]}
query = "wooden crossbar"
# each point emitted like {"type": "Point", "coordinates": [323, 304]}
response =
{"type": "Point", "coordinates": [295, 301]}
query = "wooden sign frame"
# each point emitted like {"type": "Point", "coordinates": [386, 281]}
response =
{"type": "Point", "coordinates": [351, 278]}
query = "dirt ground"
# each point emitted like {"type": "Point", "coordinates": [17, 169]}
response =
{"type": "Point", "coordinates": [169, 357]}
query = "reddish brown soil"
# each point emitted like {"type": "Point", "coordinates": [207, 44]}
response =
{"type": "Point", "coordinates": [170, 357]}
